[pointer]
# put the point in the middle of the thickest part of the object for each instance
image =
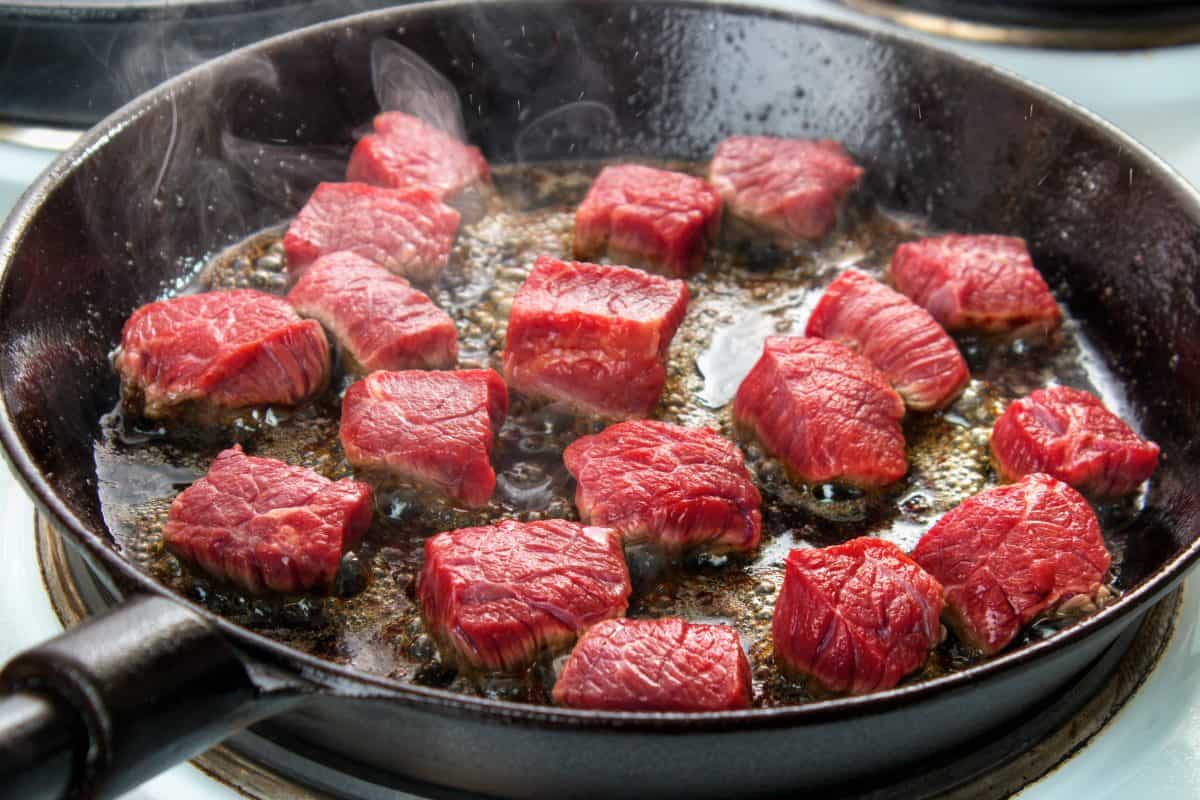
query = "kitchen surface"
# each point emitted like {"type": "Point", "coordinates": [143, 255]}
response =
{"type": "Point", "coordinates": [1152, 746]}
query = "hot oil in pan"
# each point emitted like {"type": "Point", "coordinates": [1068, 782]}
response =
{"type": "Point", "coordinates": [742, 295]}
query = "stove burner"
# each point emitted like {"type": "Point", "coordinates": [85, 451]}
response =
{"type": "Point", "coordinates": [1060, 24]}
{"type": "Point", "coordinates": [259, 764]}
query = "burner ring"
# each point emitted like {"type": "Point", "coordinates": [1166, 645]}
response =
{"type": "Point", "coordinates": [1031, 29]}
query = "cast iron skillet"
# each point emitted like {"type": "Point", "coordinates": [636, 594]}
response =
{"type": "Point", "coordinates": [122, 215]}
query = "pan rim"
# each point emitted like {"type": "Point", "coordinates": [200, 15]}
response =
{"type": "Point", "coordinates": [344, 680]}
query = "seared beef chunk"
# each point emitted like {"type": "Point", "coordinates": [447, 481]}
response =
{"type": "Point", "coordinates": [379, 320]}
{"type": "Point", "coordinates": [409, 231]}
{"type": "Point", "coordinates": [1012, 553]}
{"type": "Point", "coordinates": [593, 336]}
{"type": "Point", "coordinates": [1068, 433]}
{"type": "Point", "coordinates": [984, 283]}
{"type": "Point", "coordinates": [678, 488]}
{"type": "Point", "coordinates": [789, 187]}
{"type": "Point", "coordinates": [500, 595]}
{"type": "Point", "coordinates": [648, 217]}
{"type": "Point", "coordinates": [202, 355]}
{"type": "Point", "coordinates": [405, 152]}
{"type": "Point", "coordinates": [267, 525]}
{"type": "Point", "coordinates": [665, 664]}
{"type": "Point", "coordinates": [824, 411]}
{"type": "Point", "coordinates": [896, 335]}
{"type": "Point", "coordinates": [856, 617]}
{"type": "Point", "coordinates": [435, 428]}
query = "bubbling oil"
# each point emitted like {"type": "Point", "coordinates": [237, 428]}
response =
{"type": "Point", "coordinates": [741, 295]}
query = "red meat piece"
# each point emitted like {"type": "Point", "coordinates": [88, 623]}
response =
{"type": "Point", "coordinates": [1068, 433]}
{"type": "Point", "coordinates": [791, 187]}
{"type": "Point", "coordinates": [896, 335]}
{"type": "Point", "coordinates": [435, 428]}
{"type": "Point", "coordinates": [409, 232]}
{"type": "Point", "coordinates": [1012, 553]}
{"type": "Point", "coordinates": [857, 617]}
{"type": "Point", "coordinates": [266, 525]}
{"type": "Point", "coordinates": [824, 411]}
{"type": "Point", "coordinates": [656, 665]}
{"type": "Point", "coordinates": [593, 336]}
{"type": "Point", "coordinates": [380, 321]}
{"type": "Point", "coordinates": [500, 595]}
{"type": "Point", "coordinates": [649, 217]}
{"type": "Point", "coordinates": [405, 152]}
{"type": "Point", "coordinates": [986, 283]}
{"type": "Point", "coordinates": [680, 488]}
{"type": "Point", "coordinates": [220, 351]}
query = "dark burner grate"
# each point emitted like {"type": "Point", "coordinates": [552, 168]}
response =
{"type": "Point", "coordinates": [68, 63]}
{"type": "Point", "coordinates": [262, 767]}
{"type": "Point", "coordinates": [1065, 24]}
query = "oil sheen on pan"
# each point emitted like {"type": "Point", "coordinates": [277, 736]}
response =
{"type": "Point", "coordinates": [741, 294]}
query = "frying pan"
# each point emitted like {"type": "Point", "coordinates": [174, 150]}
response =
{"type": "Point", "coordinates": [128, 211]}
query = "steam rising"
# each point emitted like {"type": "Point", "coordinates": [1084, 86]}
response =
{"type": "Point", "coordinates": [276, 169]}
{"type": "Point", "coordinates": [567, 131]}
{"type": "Point", "coordinates": [224, 163]}
{"type": "Point", "coordinates": [404, 81]}
{"type": "Point", "coordinates": [174, 186]}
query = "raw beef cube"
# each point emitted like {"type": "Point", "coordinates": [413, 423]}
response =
{"type": "Point", "coordinates": [593, 336]}
{"type": "Point", "coordinates": [379, 320]}
{"type": "Point", "coordinates": [825, 412]}
{"type": "Point", "coordinates": [679, 488]}
{"type": "Point", "coordinates": [665, 664]}
{"type": "Point", "coordinates": [857, 617]}
{"type": "Point", "coordinates": [896, 335]}
{"type": "Point", "coordinates": [499, 596]}
{"type": "Point", "coordinates": [409, 231]}
{"type": "Point", "coordinates": [405, 152]}
{"type": "Point", "coordinates": [435, 428]}
{"type": "Point", "coordinates": [267, 525]}
{"type": "Point", "coordinates": [1010, 554]}
{"type": "Point", "coordinates": [985, 283]}
{"type": "Point", "coordinates": [204, 354]}
{"type": "Point", "coordinates": [648, 217]}
{"type": "Point", "coordinates": [790, 187]}
{"type": "Point", "coordinates": [1068, 433]}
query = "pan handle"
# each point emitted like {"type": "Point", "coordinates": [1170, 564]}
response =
{"type": "Point", "coordinates": [125, 695]}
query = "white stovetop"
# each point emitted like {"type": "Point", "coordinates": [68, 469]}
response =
{"type": "Point", "coordinates": [1151, 749]}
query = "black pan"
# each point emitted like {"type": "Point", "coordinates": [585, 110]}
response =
{"type": "Point", "coordinates": [119, 218]}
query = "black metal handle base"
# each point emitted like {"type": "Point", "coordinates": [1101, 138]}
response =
{"type": "Point", "coordinates": [42, 745]}
{"type": "Point", "coordinates": [111, 703]}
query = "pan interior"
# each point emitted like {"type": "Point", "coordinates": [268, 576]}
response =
{"type": "Point", "coordinates": [743, 294]}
